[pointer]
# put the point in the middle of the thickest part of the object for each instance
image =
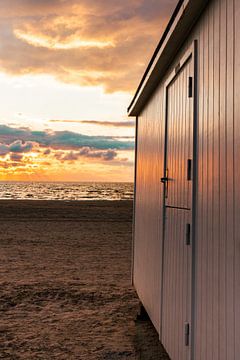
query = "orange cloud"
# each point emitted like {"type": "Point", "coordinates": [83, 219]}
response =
{"type": "Point", "coordinates": [87, 42]}
{"type": "Point", "coordinates": [86, 164]}
{"type": "Point", "coordinates": [63, 154]}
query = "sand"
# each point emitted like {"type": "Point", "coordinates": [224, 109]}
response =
{"type": "Point", "coordinates": [65, 290]}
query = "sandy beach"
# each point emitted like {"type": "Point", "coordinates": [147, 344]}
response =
{"type": "Point", "coordinates": [65, 290]}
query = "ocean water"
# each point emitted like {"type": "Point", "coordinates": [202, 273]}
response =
{"type": "Point", "coordinates": [65, 191]}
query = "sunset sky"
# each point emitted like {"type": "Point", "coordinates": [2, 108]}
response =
{"type": "Point", "coordinates": [68, 70]}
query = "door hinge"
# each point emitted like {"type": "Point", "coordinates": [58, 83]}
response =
{"type": "Point", "coordinates": [187, 334]}
{"type": "Point", "coordinates": [190, 87]}
{"type": "Point", "coordinates": [188, 234]}
{"type": "Point", "coordinates": [189, 169]}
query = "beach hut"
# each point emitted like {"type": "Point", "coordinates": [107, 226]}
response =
{"type": "Point", "coordinates": [186, 248]}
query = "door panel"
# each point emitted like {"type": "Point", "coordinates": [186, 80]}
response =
{"type": "Point", "coordinates": [176, 284]}
{"type": "Point", "coordinates": [179, 140]}
{"type": "Point", "coordinates": [176, 300]}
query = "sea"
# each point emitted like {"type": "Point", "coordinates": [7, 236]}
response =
{"type": "Point", "coordinates": [68, 191]}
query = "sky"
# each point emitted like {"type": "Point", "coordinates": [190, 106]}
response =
{"type": "Point", "coordinates": [68, 71]}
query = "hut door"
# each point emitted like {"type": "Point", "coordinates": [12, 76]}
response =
{"type": "Point", "coordinates": [176, 285]}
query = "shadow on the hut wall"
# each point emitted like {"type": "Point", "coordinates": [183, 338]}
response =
{"type": "Point", "coordinates": [146, 342]}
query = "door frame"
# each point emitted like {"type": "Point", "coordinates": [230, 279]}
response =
{"type": "Point", "coordinates": [190, 53]}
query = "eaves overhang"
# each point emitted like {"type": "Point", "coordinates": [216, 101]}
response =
{"type": "Point", "coordinates": [183, 19]}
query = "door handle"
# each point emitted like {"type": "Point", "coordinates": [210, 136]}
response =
{"type": "Point", "coordinates": [164, 180]}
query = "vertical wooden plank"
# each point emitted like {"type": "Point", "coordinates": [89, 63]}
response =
{"type": "Point", "coordinates": [174, 149]}
{"type": "Point", "coordinates": [172, 130]}
{"type": "Point", "coordinates": [199, 226]}
{"type": "Point", "coordinates": [189, 127]}
{"type": "Point", "coordinates": [223, 189]}
{"type": "Point", "coordinates": [177, 125]}
{"type": "Point", "coordinates": [216, 181]}
{"type": "Point", "coordinates": [134, 201]}
{"type": "Point", "coordinates": [148, 214]}
{"type": "Point", "coordinates": [186, 140]}
{"type": "Point", "coordinates": [180, 129]}
{"type": "Point", "coordinates": [230, 183]}
{"type": "Point", "coordinates": [183, 144]}
{"type": "Point", "coordinates": [236, 259]}
{"type": "Point", "coordinates": [230, 179]}
{"type": "Point", "coordinates": [209, 227]}
{"type": "Point", "coordinates": [193, 215]}
{"type": "Point", "coordinates": [204, 264]}
{"type": "Point", "coordinates": [183, 259]}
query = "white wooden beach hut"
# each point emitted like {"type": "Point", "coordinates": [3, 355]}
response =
{"type": "Point", "coordinates": [186, 250]}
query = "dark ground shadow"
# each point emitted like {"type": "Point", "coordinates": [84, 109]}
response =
{"type": "Point", "coordinates": [146, 342]}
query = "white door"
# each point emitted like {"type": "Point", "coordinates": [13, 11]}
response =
{"type": "Point", "coordinates": [176, 287]}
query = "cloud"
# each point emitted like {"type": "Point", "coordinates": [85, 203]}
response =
{"type": "Point", "coordinates": [87, 42]}
{"type": "Point", "coordinates": [17, 146]}
{"type": "Point", "coordinates": [129, 123]}
{"type": "Point", "coordinates": [16, 157]}
{"type": "Point", "coordinates": [21, 140]}
{"type": "Point", "coordinates": [71, 156]}
{"type": "Point", "coordinates": [9, 164]}
{"type": "Point", "coordinates": [3, 150]}
{"type": "Point", "coordinates": [47, 152]}
{"type": "Point", "coordinates": [107, 155]}
{"type": "Point", "coordinates": [86, 152]}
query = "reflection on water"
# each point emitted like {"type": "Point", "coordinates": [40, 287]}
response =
{"type": "Point", "coordinates": [65, 191]}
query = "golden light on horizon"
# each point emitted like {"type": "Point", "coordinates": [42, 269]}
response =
{"type": "Point", "coordinates": [79, 60]}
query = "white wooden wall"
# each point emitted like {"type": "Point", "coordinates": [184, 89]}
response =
{"type": "Point", "coordinates": [217, 266]}
{"type": "Point", "coordinates": [148, 212]}
{"type": "Point", "coordinates": [217, 317]}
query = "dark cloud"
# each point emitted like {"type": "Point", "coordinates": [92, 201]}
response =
{"type": "Point", "coordinates": [117, 37]}
{"type": "Point", "coordinates": [100, 123]}
{"type": "Point", "coordinates": [47, 152]}
{"type": "Point", "coordinates": [16, 157]}
{"type": "Point", "coordinates": [86, 152]}
{"type": "Point", "coordinates": [7, 164]}
{"type": "Point", "coordinates": [3, 149]}
{"type": "Point", "coordinates": [71, 156]}
{"type": "Point", "coordinates": [17, 146]}
{"type": "Point", "coordinates": [104, 155]}
{"type": "Point", "coordinates": [22, 138]}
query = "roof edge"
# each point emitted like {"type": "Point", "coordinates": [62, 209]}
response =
{"type": "Point", "coordinates": [182, 20]}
